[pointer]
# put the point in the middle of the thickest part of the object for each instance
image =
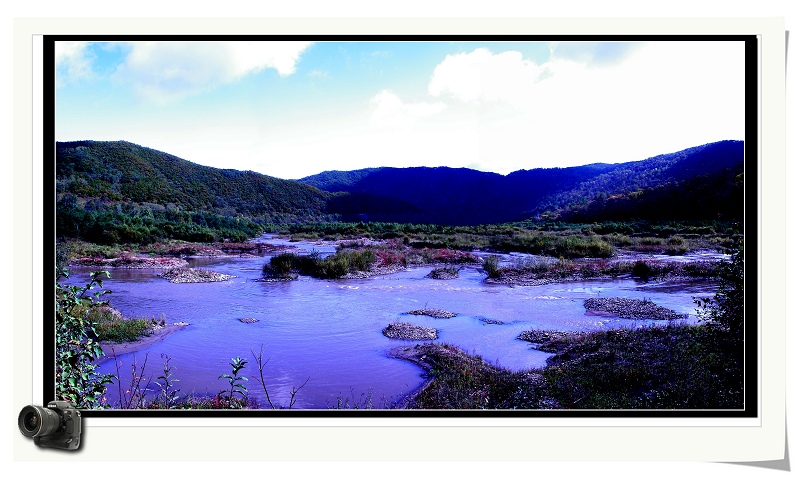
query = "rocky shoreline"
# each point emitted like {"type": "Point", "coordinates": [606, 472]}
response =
{"type": "Point", "coordinates": [132, 262]}
{"type": "Point", "coordinates": [433, 313]}
{"type": "Point", "coordinates": [375, 271]}
{"type": "Point", "coordinates": [542, 336]}
{"type": "Point", "coordinates": [631, 308]}
{"type": "Point", "coordinates": [157, 333]}
{"type": "Point", "coordinates": [194, 275]}
{"type": "Point", "coordinates": [443, 273]}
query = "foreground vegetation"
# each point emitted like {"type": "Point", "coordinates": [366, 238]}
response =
{"type": "Point", "coordinates": [665, 367]}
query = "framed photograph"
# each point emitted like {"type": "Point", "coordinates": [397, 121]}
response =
{"type": "Point", "coordinates": [477, 229]}
{"type": "Point", "coordinates": [420, 225]}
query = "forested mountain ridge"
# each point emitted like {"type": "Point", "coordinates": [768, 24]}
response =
{"type": "Point", "coordinates": [115, 192]}
{"type": "Point", "coordinates": [700, 176]}
{"type": "Point", "coordinates": [124, 172]}
{"type": "Point", "coordinates": [703, 182]}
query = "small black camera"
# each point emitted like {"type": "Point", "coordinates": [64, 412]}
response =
{"type": "Point", "coordinates": [58, 425]}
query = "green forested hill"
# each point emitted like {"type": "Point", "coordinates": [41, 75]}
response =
{"type": "Point", "coordinates": [110, 192]}
{"type": "Point", "coordinates": [122, 171]}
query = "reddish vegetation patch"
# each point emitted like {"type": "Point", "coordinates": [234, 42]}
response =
{"type": "Point", "coordinates": [387, 257]}
{"type": "Point", "coordinates": [443, 255]}
{"type": "Point", "coordinates": [251, 248]}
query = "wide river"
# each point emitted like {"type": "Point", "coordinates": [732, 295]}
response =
{"type": "Point", "coordinates": [329, 331]}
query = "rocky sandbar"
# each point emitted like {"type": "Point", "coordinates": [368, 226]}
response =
{"type": "Point", "coordinates": [409, 331]}
{"type": "Point", "coordinates": [193, 275]}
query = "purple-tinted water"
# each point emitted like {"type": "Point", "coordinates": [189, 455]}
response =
{"type": "Point", "coordinates": [329, 331]}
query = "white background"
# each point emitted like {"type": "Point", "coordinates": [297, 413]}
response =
{"type": "Point", "coordinates": [366, 439]}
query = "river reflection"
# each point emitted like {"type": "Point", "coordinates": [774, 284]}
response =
{"type": "Point", "coordinates": [329, 331]}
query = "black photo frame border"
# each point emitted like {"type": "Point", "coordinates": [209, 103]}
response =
{"type": "Point", "coordinates": [751, 230]}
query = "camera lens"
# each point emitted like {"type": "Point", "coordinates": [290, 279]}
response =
{"type": "Point", "coordinates": [37, 421]}
{"type": "Point", "coordinates": [31, 422]}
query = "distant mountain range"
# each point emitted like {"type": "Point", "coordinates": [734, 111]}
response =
{"type": "Point", "coordinates": [704, 182]}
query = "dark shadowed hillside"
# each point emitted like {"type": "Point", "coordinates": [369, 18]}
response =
{"type": "Point", "coordinates": [697, 183]}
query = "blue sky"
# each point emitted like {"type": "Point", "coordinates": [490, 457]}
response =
{"type": "Point", "coordinates": [292, 109]}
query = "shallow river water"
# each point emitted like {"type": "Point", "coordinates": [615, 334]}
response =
{"type": "Point", "coordinates": [329, 331]}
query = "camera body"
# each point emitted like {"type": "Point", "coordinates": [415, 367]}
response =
{"type": "Point", "coordinates": [58, 425]}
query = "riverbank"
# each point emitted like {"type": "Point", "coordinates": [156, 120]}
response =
{"type": "Point", "coordinates": [457, 380]}
{"type": "Point", "coordinates": [156, 334]}
{"type": "Point", "coordinates": [664, 367]}
{"type": "Point", "coordinates": [538, 272]}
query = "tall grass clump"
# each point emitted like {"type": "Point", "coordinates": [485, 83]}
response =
{"type": "Point", "coordinates": [583, 247]}
{"type": "Point", "coordinates": [118, 329]}
{"type": "Point", "coordinates": [491, 265]}
{"type": "Point", "coordinates": [676, 246]}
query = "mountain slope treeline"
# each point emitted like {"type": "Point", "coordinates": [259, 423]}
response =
{"type": "Point", "coordinates": [703, 182]}
{"type": "Point", "coordinates": [119, 192]}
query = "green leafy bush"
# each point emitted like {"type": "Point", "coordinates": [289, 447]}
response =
{"type": "Point", "coordinates": [77, 346]}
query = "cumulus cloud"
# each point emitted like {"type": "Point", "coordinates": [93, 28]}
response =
{"type": "Point", "coordinates": [73, 61]}
{"type": "Point", "coordinates": [165, 71]}
{"type": "Point", "coordinates": [597, 102]}
{"type": "Point", "coordinates": [390, 110]}
{"type": "Point", "coordinates": [484, 76]}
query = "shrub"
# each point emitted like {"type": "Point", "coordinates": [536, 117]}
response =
{"type": "Point", "coordinates": [280, 266]}
{"type": "Point", "coordinates": [642, 269]}
{"type": "Point", "coordinates": [726, 310]}
{"type": "Point", "coordinates": [491, 265]}
{"type": "Point", "coordinates": [676, 241]}
{"type": "Point", "coordinates": [77, 346]}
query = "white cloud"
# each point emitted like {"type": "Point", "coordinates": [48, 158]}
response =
{"type": "Point", "coordinates": [166, 71]}
{"type": "Point", "coordinates": [322, 74]}
{"type": "Point", "coordinates": [72, 61]}
{"type": "Point", "coordinates": [593, 103]}
{"type": "Point", "coordinates": [390, 110]}
{"type": "Point", "coordinates": [484, 76]}
{"type": "Point", "coordinates": [502, 112]}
